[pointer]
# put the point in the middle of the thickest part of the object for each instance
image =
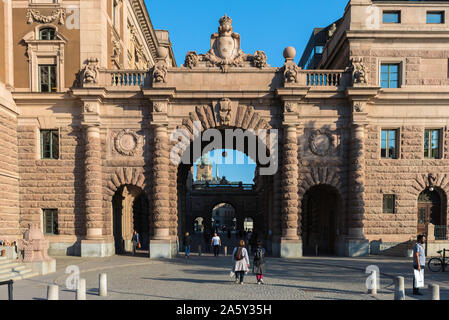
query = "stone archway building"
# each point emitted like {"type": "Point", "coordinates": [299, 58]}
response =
{"type": "Point", "coordinates": [111, 126]}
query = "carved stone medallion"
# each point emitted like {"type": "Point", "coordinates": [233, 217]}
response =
{"type": "Point", "coordinates": [127, 142]}
{"type": "Point", "coordinates": [321, 142]}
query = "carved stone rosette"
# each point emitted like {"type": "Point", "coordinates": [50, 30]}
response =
{"type": "Point", "coordinates": [93, 182]}
{"type": "Point", "coordinates": [321, 142]}
{"type": "Point", "coordinates": [290, 175]}
{"type": "Point", "coordinates": [161, 183]}
{"type": "Point", "coordinates": [127, 142]}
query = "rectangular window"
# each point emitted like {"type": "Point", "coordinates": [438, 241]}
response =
{"type": "Point", "coordinates": [388, 203]}
{"type": "Point", "coordinates": [389, 144]}
{"type": "Point", "coordinates": [47, 78]}
{"type": "Point", "coordinates": [435, 17]}
{"type": "Point", "coordinates": [391, 17]}
{"type": "Point", "coordinates": [389, 75]}
{"type": "Point", "coordinates": [432, 143]}
{"type": "Point", "coordinates": [50, 219]}
{"type": "Point", "coordinates": [49, 144]}
{"type": "Point", "coordinates": [114, 11]}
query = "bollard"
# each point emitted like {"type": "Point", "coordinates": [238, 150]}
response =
{"type": "Point", "coordinates": [373, 288]}
{"type": "Point", "coordinates": [399, 293]}
{"type": "Point", "coordinates": [103, 288]}
{"type": "Point", "coordinates": [316, 250]}
{"type": "Point", "coordinates": [10, 287]}
{"type": "Point", "coordinates": [199, 249]}
{"type": "Point", "coordinates": [434, 292]}
{"type": "Point", "coordinates": [81, 291]}
{"type": "Point", "coordinates": [53, 292]}
{"type": "Point", "coordinates": [225, 250]}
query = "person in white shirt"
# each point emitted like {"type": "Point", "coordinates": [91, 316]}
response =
{"type": "Point", "coordinates": [216, 244]}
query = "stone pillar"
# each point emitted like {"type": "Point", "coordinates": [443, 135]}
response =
{"type": "Point", "coordinates": [290, 243]}
{"type": "Point", "coordinates": [94, 244]}
{"type": "Point", "coordinates": [355, 244]}
{"type": "Point", "coordinates": [160, 244]}
{"type": "Point", "coordinates": [93, 182]}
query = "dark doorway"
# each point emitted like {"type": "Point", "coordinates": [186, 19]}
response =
{"type": "Point", "coordinates": [429, 210]}
{"type": "Point", "coordinates": [320, 208]}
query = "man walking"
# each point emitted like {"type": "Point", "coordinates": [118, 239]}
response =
{"type": "Point", "coordinates": [419, 259]}
{"type": "Point", "coordinates": [216, 243]}
{"type": "Point", "coordinates": [136, 241]}
{"type": "Point", "coordinates": [187, 242]}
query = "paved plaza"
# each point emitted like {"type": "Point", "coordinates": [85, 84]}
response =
{"type": "Point", "coordinates": [207, 278]}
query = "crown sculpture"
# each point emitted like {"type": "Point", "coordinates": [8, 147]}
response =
{"type": "Point", "coordinates": [225, 51]}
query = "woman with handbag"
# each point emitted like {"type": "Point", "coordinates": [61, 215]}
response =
{"type": "Point", "coordinates": [241, 261]}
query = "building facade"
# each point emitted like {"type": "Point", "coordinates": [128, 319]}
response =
{"type": "Point", "coordinates": [88, 117]}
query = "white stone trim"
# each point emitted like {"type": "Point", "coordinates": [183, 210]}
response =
{"type": "Point", "coordinates": [43, 49]}
{"type": "Point", "coordinates": [9, 46]}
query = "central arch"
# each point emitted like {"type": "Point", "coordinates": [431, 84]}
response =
{"type": "Point", "coordinates": [223, 115]}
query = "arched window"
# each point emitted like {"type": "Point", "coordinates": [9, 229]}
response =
{"type": "Point", "coordinates": [47, 34]}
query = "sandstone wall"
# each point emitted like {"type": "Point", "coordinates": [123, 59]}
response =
{"type": "Point", "coordinates": [9, 176]}
{"type": "Point", "coordinates": [53, 184]}
{"type": "Point", "coordinates": [405, 177]}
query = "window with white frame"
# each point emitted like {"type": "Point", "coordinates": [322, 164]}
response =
{"type": "Point", "coordinates": [45, 50]}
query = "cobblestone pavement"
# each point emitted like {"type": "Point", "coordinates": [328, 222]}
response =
{"type": "Point", "coordinates": [207, 278]}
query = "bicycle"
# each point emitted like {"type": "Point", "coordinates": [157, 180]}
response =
{"type": "Point", "coordinates": [440, 263]}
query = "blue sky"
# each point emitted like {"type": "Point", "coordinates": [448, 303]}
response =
{"type": "Point", "coordinates": [265, 25]}
{"type": "Point", "coordinates": [235, 165]}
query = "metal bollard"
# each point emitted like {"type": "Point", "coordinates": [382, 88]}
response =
{"type": "Point", "coordinates": [373, 289]}
{"type": "Point", "coordinates": [10, 288]}
{"type": "Point", "coordinates": [81, 291]}
{"type": "Point", "coordinates": [434, 292]}
{"type": "Point", "coordinates": [53, 292]}
{"type": "Point", "coordinates": [399, 292]}
{"type": "Point", "coordinates": [199, 249]}
{"type": "Point", "coordinates": [103, 288]}
{"type": "Point", "coordinates": [225, 250]}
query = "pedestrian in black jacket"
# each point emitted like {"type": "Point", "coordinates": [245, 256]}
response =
{"type": "Point", "coordinates": [187, 242]}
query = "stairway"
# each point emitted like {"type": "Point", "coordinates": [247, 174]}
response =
{"type": "Point", "coordinates": [399, 250]}
{"type": "Point", "coordinates": [14, 270]}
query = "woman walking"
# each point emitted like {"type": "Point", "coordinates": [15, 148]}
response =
{"type": "Point", "coordinates": [259, 262]}
{"type": "Point", "coordinates": [241, 261]}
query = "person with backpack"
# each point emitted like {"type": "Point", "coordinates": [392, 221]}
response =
{"type": "Point", "coordinates": [241, 261]}
{"type": "Point", "coordinates": [259, 262]}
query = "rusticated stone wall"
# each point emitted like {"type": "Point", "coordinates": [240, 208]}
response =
{"type": "Point", "coordinates": [422, 67]}
{"type": "Point", "coordinates": [9, 177]}
{"type": "Point", "coordinates": [405, 177]}
{"type": "Point", "coordinates": [52, 184]}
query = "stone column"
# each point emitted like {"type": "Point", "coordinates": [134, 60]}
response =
{"type": "Point", "coordinates": [161, 244]}
{"type": "Point", "coordinates": [161, 188]}
{"type": "Point", "coordinates": [290, 243]}
{"type": "Point", "coordinates": [95, 244]}
{"type": "Point", "coordinates": [93, 183]}
{"type": "Point", "coordinates": [356, 245]}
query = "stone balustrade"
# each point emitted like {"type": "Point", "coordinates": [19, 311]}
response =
{"type": "Point", "coordinates": [324, 78]}
{"type": "Point", "coordinates": [141, 78]}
